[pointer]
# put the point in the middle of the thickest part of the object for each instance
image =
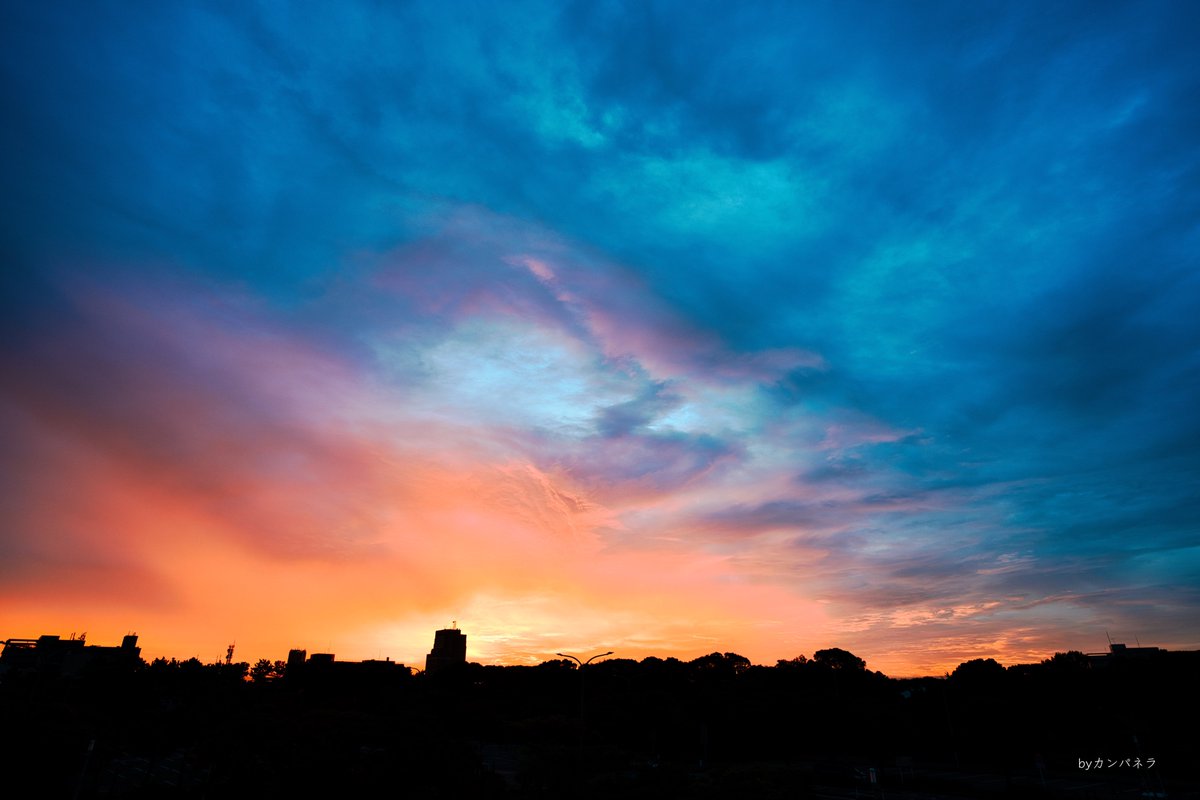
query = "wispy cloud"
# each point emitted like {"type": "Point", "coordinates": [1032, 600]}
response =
{"type": "Point", "coordinates": [796, 326]}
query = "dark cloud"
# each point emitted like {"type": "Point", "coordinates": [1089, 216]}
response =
{"type": "Point", "coordinates": [627, 417]}
{"type": "Point", "coordinates": [777, 514]}
{"type": "Point", "coordinates": [645, 465]}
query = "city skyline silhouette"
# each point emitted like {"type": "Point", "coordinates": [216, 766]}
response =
{"type": "Point", "coordinates": [99, 721]}
{"type": "Point", "coordinates": [643, 327]}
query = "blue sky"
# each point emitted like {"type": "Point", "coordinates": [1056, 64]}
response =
{"type": "Point", "coordinates": [886, 310]}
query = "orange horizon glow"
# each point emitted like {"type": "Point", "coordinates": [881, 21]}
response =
{"type": "Point", "coordinates": [266, 492]}
{"type": "Point", "coordinates": [409, 642]}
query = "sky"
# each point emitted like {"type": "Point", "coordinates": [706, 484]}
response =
{"type": "Point", "coordinates": [658, 328]}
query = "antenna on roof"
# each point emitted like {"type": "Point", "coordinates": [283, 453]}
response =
{"type": "Point", "coordinates": [229, 653]}
{"type": "Point", "coordinates": [1106, 636]}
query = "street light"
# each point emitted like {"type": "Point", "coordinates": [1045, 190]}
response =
{"type": "Point", "coordinates": [582, 664]}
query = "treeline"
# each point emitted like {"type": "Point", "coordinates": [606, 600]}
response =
{"type": "Point", "coordinates": [716, 726]}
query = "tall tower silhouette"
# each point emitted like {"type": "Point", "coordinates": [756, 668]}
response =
{"type": "Point", "coordinates": [449, 650]}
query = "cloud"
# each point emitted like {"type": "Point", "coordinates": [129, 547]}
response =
{"type": "Point", "coordinates": [891, 313]}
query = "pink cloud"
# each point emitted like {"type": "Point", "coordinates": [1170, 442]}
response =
{"type": "Point", "coordinates": [559, 462]}
{"type": "Point", "coordinates": [259, 488]}
{"type": "Point", "coordinates": [475, 262]}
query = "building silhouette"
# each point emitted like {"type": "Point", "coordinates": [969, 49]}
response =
{"type": "Point", "coordinates": [1119, 652]}
{"type": "Point", "coordinates": [325, 667]}
{"type": "Point", "coordinates": [296, 658]}
{"type": "Point", "coordinates": [53, 655]}
{"type": "Point", "coordinates": [449, 650]}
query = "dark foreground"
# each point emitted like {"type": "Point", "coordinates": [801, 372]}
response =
{"type": "Point", "coordinates": [715, 727]}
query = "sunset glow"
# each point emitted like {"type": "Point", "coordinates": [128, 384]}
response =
{"type": "Point", "coordinates": [663, 333]}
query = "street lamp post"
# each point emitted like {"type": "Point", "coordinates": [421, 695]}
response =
{"type": "Point", "coordinates": [582, 664]}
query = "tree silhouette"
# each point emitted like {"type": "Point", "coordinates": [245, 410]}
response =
{"type": "Point", "coordinates": [839, 659]}
{"type": "Point", "coordinates": [266, 670]}
{"type": "Point", "coordinates": [982, 671]}
{"type": "Point", "coordinates": [1070, 661]}
{"type": "Point", "coordinates": [721, 664]}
